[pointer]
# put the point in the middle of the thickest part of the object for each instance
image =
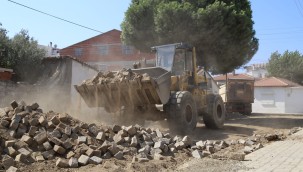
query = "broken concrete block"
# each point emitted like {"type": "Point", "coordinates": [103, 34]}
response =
{"type": "Point", "coordinates": [14, 104]}
{"type": "Point", "coordinates": [12, 169]}
{"type": "Point", "coordinates": [63, 117]}
{"type": "Point", "coordinates": [134, 142]}
{"type": "Point", "coordinates": [56, 133]}
{"type": "Point", "coordinates": [68, 130]}
{"type": "Point", "coordinates": [93, 129]}
{"type": "Point", "coordinates": [67, 144]}
{"type": "Point", "coordinates": [200, 144]}
{"type": "Point", "coordinates": [55, 140]}
{"type": "Point", "coordinates": [4, 123]}
{"type": "Point", "coordinates": [113, 149]}
{"type": "Point", "coordinates": [48, 154]}
{"type": "Point", "coordinates": [7, 161]}
{"type": "Point", "coordinates": [62, 163]}
{"type": "Point", "coordinates": [70, 154]}
{"type": "Point", "coordinates": [119, 155]}
{"type": "Point", "coordinates": [12, 133]}
{"type": "Point", "coordinates": [210, 149]}
{"type": "Point", "coordinates": [118, 139]}
{"type": "Point", "coordinates": [89, 152]}
{"type": "Point", "coordinates": [42, 121]}
{"type": "Point", "coordinates": [34, 122]}
{"type": "Point", "coordinates": [159, 144]}
{"type": "Point", "coordinates": [107, 155]}
{"type": "Point", "coordinates": [40, 158]}
{"type": "Point", "coordinates": [11, 151]}
{"type": "Point", "coordinates": [32, 131]}
{"type": "Point", "coordinates": [60, 150]}
{"type": "Point", "coordinates": [10, 143]}
{"type": "Point", "coordinates": [24, 151]}
{"type": "Point", "coordinates": [100, 136]}
{"type": "Point", "coordinates": [187, 140]}
{"type": "Point", "coordinates": [116, 128]}
{"type": "Point", "coordinates": [82, 139]}
{"type": "Point", "coordinates": [73, 162]}
{"type": "Point", "coordinates": [159, 133]}
{"type": "Point", "coordinates": [106, 144]}
{"type": "Point", "coordinates": [223, 144]}
{"type": "Point", "coordinates": [21, 130]}
{"type": "Point", "coordinates": [47, 146]}
{"type": "Point", "coordinates": [27, 139]}
{"type": "Point", "coordinates": [95, 160]}
{"type": "Point", "coordinates": [55, 120]}
{"type": "Point", "coordinates": [84, 125]}
{"type": "Point", "coordinates": [83, 160]}
{"type": "Point", "coordinates": [41, 138]}
{"type": "Point", "coordinates": [131, 130]}
{"type": "Point", "coordinates": [21, 158]}
{"type": "Point", "coordinates": [197, 154]}
{"type": "Point", "coordinates": [179, 145]}
{"type": "Point", "coordinates": [35, 106]}
{"type": "Point", "coordinates": [20, 144]}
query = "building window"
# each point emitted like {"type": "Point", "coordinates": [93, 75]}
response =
{"type": "Point", "coordinates": [103, 50]}
{"type": "Point", "coordinates": [127, 49]}
{"type": "Point", "coordinates": [78, 52]}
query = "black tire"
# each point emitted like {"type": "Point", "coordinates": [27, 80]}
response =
{"type": "Point", "coordinates": [182, 112]}
{"type": "Point", "coordinates": [248, 109]}
{"type": "Point", "coordinates": [215, 116]}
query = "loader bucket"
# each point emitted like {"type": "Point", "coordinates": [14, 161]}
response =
{"type": "Point", "coordinates": [152, 88]}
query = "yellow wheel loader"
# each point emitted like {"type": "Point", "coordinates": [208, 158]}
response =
{"type": "Point", "coordinates": [172, 84]}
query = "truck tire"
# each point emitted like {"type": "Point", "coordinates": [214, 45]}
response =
{"type": "Point", "coordinates": [215, 116]}
{"type": "Point", "coordinates": [182, 112]}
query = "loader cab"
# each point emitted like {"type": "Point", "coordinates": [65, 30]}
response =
{"type": "Point", "coordinates": [177, 58]}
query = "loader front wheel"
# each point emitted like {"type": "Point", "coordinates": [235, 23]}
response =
{"type": "Point", "coordinates": [182, 112]}
{"type": "Point", "coordinates": [215, 116]}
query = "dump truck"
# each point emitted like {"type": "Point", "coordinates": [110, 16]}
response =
{"type": "Point", "coordinates": [238, 95]}
{"type": "Point", "coordinates": [171, 90]}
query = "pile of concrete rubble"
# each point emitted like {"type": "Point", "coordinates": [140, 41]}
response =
{"type": "Point", "coordinates": [119, 76]}
{"type": "Point", "coordinates": [38, 136]}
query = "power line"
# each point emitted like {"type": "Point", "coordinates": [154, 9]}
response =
{"type": "Point", "coordinates": [298, 8]}
{"type": "Point", "coordinates": [56, 17]}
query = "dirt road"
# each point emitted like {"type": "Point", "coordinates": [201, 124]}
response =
{"type": "Point", "coordinates": [236, 127]}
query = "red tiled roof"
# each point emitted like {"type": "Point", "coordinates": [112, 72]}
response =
{"type": "Point", "coordinates": [232, 76]}
{"type": "Point", "coordinates": [275, 82]}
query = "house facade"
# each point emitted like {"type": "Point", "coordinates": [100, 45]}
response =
{"type": "Point", "coordinates": [277, 95]}
{"type": "Point", "coordinates": [107, 52]}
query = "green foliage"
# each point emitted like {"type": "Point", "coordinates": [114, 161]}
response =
{"type": "Point", "coordinates": [21, 53]}
{"type": "Point", "coordinates": [221, 30]}
{"type": "Point", "coordinates": [288, 66]}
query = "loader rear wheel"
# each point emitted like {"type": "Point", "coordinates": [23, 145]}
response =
{"type": "Point", "coordinates": [182, 112]}
{"type": "Point", "coordinates": [215, 116]}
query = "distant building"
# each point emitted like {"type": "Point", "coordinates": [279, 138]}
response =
{"type": "Point", "coordinates": [277, 95]}
{"type": "Point", "coordinates": [51, 51]}
{"type": "Point", "coordinates": [257, 70]}
{"type": "Point", "coordinates": [107, 52]}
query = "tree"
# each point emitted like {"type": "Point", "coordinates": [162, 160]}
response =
{"type": "Point", "coordinates": [288, 66]}
{"type": "Point", "coordinates": [22, 54]}
{"type": "Point", "coordinates": [221, 30]}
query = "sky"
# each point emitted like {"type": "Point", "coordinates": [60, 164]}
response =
{"type": "Point", "coordinates": [278, 23]}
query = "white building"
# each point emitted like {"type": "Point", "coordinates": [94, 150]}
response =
{"type": "Point", "coordinates": [51, 51]}
{"type": "Point", "coordinates": [257, 70]}
{"type": "Point", "coordinates": [277, 95]}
